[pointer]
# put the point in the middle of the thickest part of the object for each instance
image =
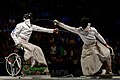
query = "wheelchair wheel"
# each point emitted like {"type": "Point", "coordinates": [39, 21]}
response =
{"type": "Point", "coordinates": [13, 64]}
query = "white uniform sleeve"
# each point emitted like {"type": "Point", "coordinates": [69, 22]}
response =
{"type": "Point", "coordinates": [41, 29]}
{"type": "Point", "coordinates": [99, 36]}
{"type": "Point", "coordinates": [15, 33]}
{"type": "Point", "coordinates": [69, 28]}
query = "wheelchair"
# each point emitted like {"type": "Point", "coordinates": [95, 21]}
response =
{"type": "Point", "coordinates": [14, 61]}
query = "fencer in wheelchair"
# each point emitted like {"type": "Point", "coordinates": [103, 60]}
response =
{"type": "Point", "coordinates": [20, 36]}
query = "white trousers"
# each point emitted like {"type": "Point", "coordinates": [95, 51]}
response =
{"type": "Point", "coordinates": [33, 51]}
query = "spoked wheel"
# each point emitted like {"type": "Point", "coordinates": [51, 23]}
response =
{"type": "Point", "coordinates": [13, 64]}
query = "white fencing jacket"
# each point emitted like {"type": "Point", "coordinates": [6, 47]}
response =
{"type": "Point", "coordinates": [24, 30]}
{"type": "Point", "coordinates": [88, 35]}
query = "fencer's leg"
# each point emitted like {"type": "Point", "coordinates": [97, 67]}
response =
{"type": "Point", "coordinates": [32, 62]}
{"type": "Point", "coordinates": [109, 67]}
{"type": "Point", "coordinates": [103, 68]}
{"type": "Point", "coordinates": [39, 56]}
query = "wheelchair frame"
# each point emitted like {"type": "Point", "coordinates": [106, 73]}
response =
{"type": "Point", "coordinates": [14, 62]}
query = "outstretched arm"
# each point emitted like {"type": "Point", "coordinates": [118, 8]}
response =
{"type": "Point", "coordinates": [69, 28]}
{"type": "Point", "coordinates": [41, 29]}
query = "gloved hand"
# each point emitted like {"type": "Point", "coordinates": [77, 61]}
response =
{"type": "Point", "coordinates": [56, 22]}
{"type": "Point", "coordinates": [110, 48]}
{"type": "Point", "coordinates": [55, 30]}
